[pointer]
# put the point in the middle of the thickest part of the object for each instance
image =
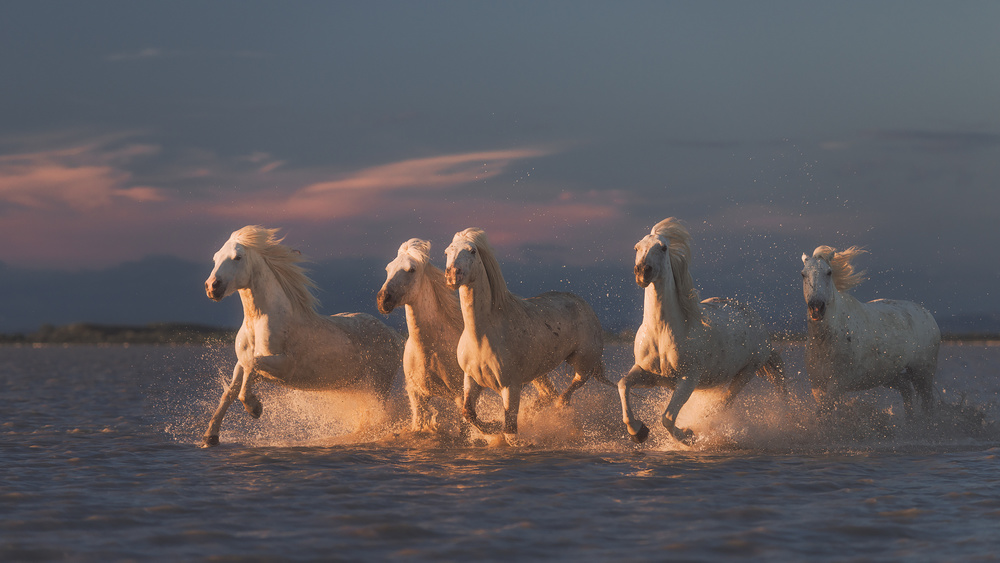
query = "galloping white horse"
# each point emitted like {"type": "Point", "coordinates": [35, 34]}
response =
{"type": "Point", "coordinates": [282, 338]}
{"type": "Point", "coordinates": [686, 345]}
{"type": "Point", "coordinates": [434, 323]}
{"type": "Point", "coordinates": [854, 346]}
{"type": "Point", "coordinates": [508, 341]}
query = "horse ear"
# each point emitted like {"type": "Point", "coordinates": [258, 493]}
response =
{"type": "Point", "coordinates": [804, 257]}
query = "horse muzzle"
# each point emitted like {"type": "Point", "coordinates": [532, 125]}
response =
{"type": "Point", "coordinates": [454, 277]}
{"type": "Point", "coordinates": [642, 274]}
{"type": "Point", "coordinates": [817, 310]}
{"type": "Point", "coordinates": [214, 289]}
{"type": "Point", "coordinates": [385, 301]}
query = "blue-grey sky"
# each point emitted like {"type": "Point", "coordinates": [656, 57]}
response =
{"type": "Point", "coordinates": [565, 129]}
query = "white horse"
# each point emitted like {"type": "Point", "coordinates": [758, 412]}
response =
{"type": "Point", "coordinates": [282, 338]}
{"type": "Point", "coordinates": [686, 345]}
{"type": "Point", "coordinates": [853, 346]}
{"type": "Point", "coordinates": [508, 341]}
{"type": "Point", "coordinates": [434, 323]}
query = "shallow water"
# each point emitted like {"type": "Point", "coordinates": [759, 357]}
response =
{"type": "Point", "coordinates": [99, 461]}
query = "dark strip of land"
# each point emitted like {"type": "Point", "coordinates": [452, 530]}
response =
{"type": "Point", "coordinates": [156, 333]}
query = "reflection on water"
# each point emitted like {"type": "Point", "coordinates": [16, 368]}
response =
{"type": "Point", "coordinates": [99, 461]}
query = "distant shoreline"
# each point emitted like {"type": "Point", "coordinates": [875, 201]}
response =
{"type": "Point", "coordinates": [92, 333]}
{"type": "Point", "coordinates": [184, 333]}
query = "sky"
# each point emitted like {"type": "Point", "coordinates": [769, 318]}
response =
{"type": "Point", "coordinates": [565, 129]}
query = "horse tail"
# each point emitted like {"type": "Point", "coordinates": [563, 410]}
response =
{"type": "Point", "coordinates": [774, 371]}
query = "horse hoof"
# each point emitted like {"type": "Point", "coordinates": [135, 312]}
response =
{"type": "Point", "coordinates": [685, 436]}
{"type": "Point", "coordinates": [640, 436]}
{"type": "Point", "coordinates": [209, 441]}
{"type": "Point", "coordinates": [254, 410]}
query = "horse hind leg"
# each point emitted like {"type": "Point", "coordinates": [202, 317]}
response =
{"type": "Point", "coordinates": [905, 389]}
{"type": "Point", "coordinates": [583, 371]}
{"type": "Point", "coordinates": [736, 385]}
{"type": "Point", "coordinates": [546, 390]}
{"type": "Point", "coordinates": [923, 384]}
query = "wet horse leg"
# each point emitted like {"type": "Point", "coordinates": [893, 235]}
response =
{"type": "Point", "coordinates": [511, 397]}
{"type": "Point", "coordinates": [925, 389]}
{"type": "Point", "coordinates": [905, 389]}
{"type": "Point", "coordinates": [636, 377]}
{"type": "Point", "coordinates": [584, 368]}
{"type": "Point", "coordinates": [421, 417]}
{"type": "Point", "coordinates": [472, 392]}
{"type": "Point", "coordinates": [546, 390]}
{"type": "Point", "coordinates": [681, 394]}
{"type": "Point", "coordinates": [211, 437]}
{"type": "Point", "coordinates": [736, 385]}
{"type": "Point", "coordinates": [250, 401]}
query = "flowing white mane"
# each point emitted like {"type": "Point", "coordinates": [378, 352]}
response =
{"type": "Point", "coordinates": [680, 255]}
{"type": "Point", "coordinates": [501, 296]}
{"type": "Point", "coordinates": [420, 251]}
{"type": "Point", "coordinates": [844, 276]}
{"type": "Point", "coordinates": [267, 250]}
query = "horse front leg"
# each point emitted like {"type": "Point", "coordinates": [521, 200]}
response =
{"type": "Point", "coordinates": [511, 397]}
{"type": "Point", "coordinates": [422, 419]}
{"type": "Point", "coordinates": [250, 401]}
{"type": "Point", "coordinates": [211, 437]}
{"type": "Point", "coordinates": [681, 394]}
{"type": "Point", "coordinates": [471, 398]}
{"type": "Point", "coordinates": [636, 377]}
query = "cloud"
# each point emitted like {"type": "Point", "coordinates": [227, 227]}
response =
{"type": "Point", "coordinates": [155, 53]}
{"type": "Point", "coordinates": [940, 141]}
{"type": "Point", "coordinates": [369, 189]}
{"type": "Point", "coordinates": [148, 53]}
{"type": "Point", "coordinates": [81, 177]}
{"type": "Point", "coordinates": [102, 200]}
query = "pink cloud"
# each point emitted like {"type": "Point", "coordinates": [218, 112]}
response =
{"type": "Point", "coordinates": [82, 177]}
{"type": "Point", "coordinates": [82, 206]}
{"type": "Point", "coordinates": [368, 189]}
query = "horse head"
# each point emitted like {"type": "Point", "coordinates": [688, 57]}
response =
{"type": "Point", "coordinates": [231, 271]}
{"type": "Point", "coordinates": [826, 272]}
{"type": "Point", "coordinates": [817, 285]}
{"type": "Point", "coordinates": [403, 274]}
{"type": "Point", "coordinates": [651, 259]}
{"type": "Point", "coordinates": [462, 262]}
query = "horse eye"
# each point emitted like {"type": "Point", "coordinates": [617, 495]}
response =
{"type": "Point", "coordinates": [411, 269]}
{"type": "Point", "coordinates": [237, 257]}
{"type": "Point", "coordinates": [472, 252]}
{"type": "Point", "coordinates": [830, 273]}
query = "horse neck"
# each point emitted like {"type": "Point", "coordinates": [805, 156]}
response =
{"type": "Point", "coordinates": [264, 296]}
{"type": "Point", "coordinates": [477, 304]}
{"type": "Point", "coordinates": [662, 307]}
{"type": "Point", "coordinates": [427, 310]}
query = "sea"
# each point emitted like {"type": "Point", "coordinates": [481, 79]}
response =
{"type": "Point", "coordinates": [100, 460]}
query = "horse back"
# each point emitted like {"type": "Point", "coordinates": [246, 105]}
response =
{"type": "Point", "coordinates": [906, 318]}
{"type": "Point", "coordinates": [543, 332]}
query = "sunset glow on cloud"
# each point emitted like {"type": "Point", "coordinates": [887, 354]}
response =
{"type": "Point", "coordinates": [89, 194]}
{"type": "Point", "coordinates": [81, 178]}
